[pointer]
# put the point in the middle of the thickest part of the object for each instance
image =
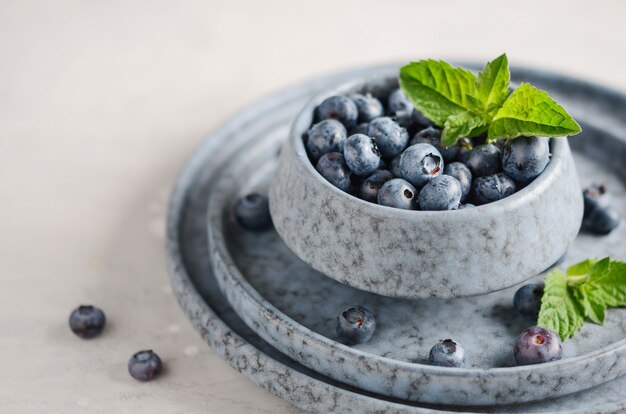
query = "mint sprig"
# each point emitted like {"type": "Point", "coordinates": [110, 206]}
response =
{"type": "Point", "coordinates": [465, 105]}
{"type": "Point", "coordinates": [585, 291]}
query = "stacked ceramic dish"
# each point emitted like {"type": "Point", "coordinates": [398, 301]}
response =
{"type": "Point", "coordinates": [425, 275]}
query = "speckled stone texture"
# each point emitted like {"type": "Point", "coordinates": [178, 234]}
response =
{"type": "Point", "coordinates": [422, 254]}
{"type": "Point", "coordinates": [197, 291]}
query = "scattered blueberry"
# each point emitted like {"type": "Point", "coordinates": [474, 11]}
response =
{"type": "Point", "coordinates": [440, 193]}
{"type": "Point", "coordinates": [420, 163]}
{"type": "Point", "coordinates": [333, 167]}
{"type": "Point", "coordinates": [463, 174]}
{"type": "Point", "coordinates": [355, 325]}
{"type": "Point", "coordinates": [369, 107]}
{"type": "Point", "coordinates": [324, 137]}
{"type": "Point", "coordinates": [482, 160]}
{"type": "Point", "coordinates": [432, 136]}
{"type": "Point", "coordinates": [361, 154]}
{"type": "Point", "coordinates": [390, 137]}
{"type": "Point", "coordinates": [524, 158]}
{"type": "Point", "coordinates": [252, 212]}
{"type": "Point", "coordinates": [87, 321]}
{"type": "Point", "coordinates": [394, 166]}
{"type": "Point", "coordinates": [447, 353]}
{"type": "Point", "coordinates": [492, 188]}
{"type": "Point", "coordinates": [599, 216]}
{"type": "Point", "coordinates": [537, 345]}
{"type": "Point", "coordinates": [398, 104]}
{"type": "Point", "coordinates": [371, 186]}
{"type": "Point", "coordinates": [340, 108]}
{"type": "Point", "coordinates": [398, 193]}
{"type": "Point", "coordinates": [144, 365]}
{"type": "Point", "coordinates": [527, 299]}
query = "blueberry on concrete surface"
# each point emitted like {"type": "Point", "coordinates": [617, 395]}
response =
{"type": "Point", "coordinates": [482, 160]}
{"type": "Point", "coordinates": [398, 193]}
{"type": "Point", "coordinates": [447, 353]}
{"type": "Point", "coordinates": [398, 104]}
{"type": "Point", "coordinates": [599, 216]}
{"type": "Point", "coordinates": [463, 174]}
{"type": "Point", "coordinates": [537, 345]}
{"type": "Point", "coordinates": [145, 365]}
{"type": "Point", "coordinates": [432, 136]}
{"type": "Point", "coordinates": [334, 169]}
{"type": "Point", "coordinates": [492, 188]}
{"type": "Point", "coordinates": [440, 193]}
{"type": "Point", "coordinates": [252, 212]}
{"type": "Point", "coordinates": [324, 137]}
{"type": "Point", "coordinates": [527, 299]}
{"type": "Point", "coordinates": [369, 107]}
{"type": "Point", "coordinates": [341, 108]}
{"type": "Point", "coordinates": [355, 325]}
{"type": "Point", "coordinates": [87, 321]}
{"type": "Point", "coordinates": [390, 137]}
{"type": "Point", "coordinates": [372, 184]}
{"type": "Point", "coordinates": [524, 158]}
{"type": "Point", "coordinates": [421, 163]}
{"type": "Point", "coordinates": [361, 154]}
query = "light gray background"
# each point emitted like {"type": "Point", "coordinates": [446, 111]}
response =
{"type": "Point", "coordinates": [101, 103]}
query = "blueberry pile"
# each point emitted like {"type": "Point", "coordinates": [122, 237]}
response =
{"type": "Point", "coordinates": [391, 155]}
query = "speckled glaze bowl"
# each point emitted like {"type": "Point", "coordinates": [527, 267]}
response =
{"type": "Point", "coordinates": [418, 254]}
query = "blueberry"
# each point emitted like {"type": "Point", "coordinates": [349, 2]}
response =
{"type": "Point", "coordinates": [463, 174]}
{"type": "Point", "coordinates": [333, 167]}
{"type": "Point", "coordinates": [340, 108]}
{"type": "Point", "coordinates": [432, 136]}
{"type": "Point", "coordinates": [482, 160]}
{"type": "Point", "coordinates": [524, 158]}
{"type": "Point", "coordinates": [87, 321]}
{"type": "Point", "coordinates": [440, 193]}
{"type": "Point", "coordinates": [324, 137]}
{"type": "Point", "coordinates": [419, 119]}
{"type": "Point", "coordinates": [369, 107]}
{"type": "Point", "coordinates": [492, 188]}
{"type": "Point", "coordinates": [527, 299]}
{"type": "Point", "coordinates": [361, 154]}
{"type": "Point", "coordinates": [252, 212]}
{"type": "Point", "coordinates": [398, 193]}
{"type": "Point", "coordinates": [398, 104]}
{"type": "Point", "coordinates": [599, 216]}
{"type": "Point", "coordinates": [145, 365]}
{"type": "Point", "coordinates": [447, 353]}
{"type": "Point", "coordinates": [371, 186]}
{"type": "Point", "coordinates": [466, 205]}
{"type": "Point", "coordinates": [355, 325]}
{"type": "Point", "coordinates": [537, 345]}
{"type": "Point", "coordinates": [362, 128]}
{"type": "Point", "coordinates": [390, 137]}
{"type": "Point", "coordinates": [394, 166]}
{"type": "Point", "coordinates": [420, 163]}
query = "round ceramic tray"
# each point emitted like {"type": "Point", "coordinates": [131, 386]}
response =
{"type": "Point", "coordinates": [196, 288]}
{"type": "Point", "coordinates": [294, 307]}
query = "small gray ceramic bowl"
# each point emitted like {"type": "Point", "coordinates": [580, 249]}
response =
{"type": "Point", "coordinates": [418, 254]}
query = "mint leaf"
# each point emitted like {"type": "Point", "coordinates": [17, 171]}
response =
{"type": "Point", "coordinates": [461, 125]}
{"type": "Point", "coordinates": [582, 268]}
{"type": "Point", "coordinates": [605, 287]}
{"type": "Point", "coordinates": [560, 311]}
{"type": "Point", "coordinates": [492, 85]}
{"type": "Point", "coordinates": [529, 111]}
{"type": "Point", "coordinates": [437, 89]}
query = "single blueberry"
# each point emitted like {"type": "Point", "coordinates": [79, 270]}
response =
{"type": "Point", "coordinates": [527, 299]}
{"type": "Point", "coordinates": [324, 137]}
{"type": "Point", "coordinates": [524, 158]}
{"type": "Point", "coordinates": [599, 216]}
{"type": "Point", "coordinates": [371, 186]}
{"type": "Point", "coordinates": [252, 212]}
{"type": "Point", "coordinates": [87, 321]}
{"type": "Point", "coordinates": [361, 154]}
{"type": "Point", "coordinates": [447, 353]}
{"type": "Point", "coordinates": [536, 345]}
{"type": "Point", "coordinates": [340, 108]}
{"type": "Point", "coordinates": [390, 137]}
{"type": "Point", "coordinates": [463, 174]}
{"type": "Point", "coordinates": [398, 104]}
{"type": "Point", "coordinates": [440, 193]}
{"type": "Point", "coordinates": [362, 128]}
{"type": "Point", "coordinates": [369, 107]}
{"type": "Point", "coordinates": [394, 166]}
{"type": "Point", "coordinates": [420, 163]}
{"type": "Point", "coordinates": [145, 365]}
{"type": "Point", "coordinates": [432, 136]}
{"type": "Point", "coordinates": [398, 193]}
{"type": "Point", "coordinates": [333, 168]}
{"type": "Point", "coordinates": [482, 160]}
{"type": "Point", "coordinates": [492, 188]}
{"type": "Point", "coordinates": [355, 325]}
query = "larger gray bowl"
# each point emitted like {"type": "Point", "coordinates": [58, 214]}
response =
{"type": "Point", "coordinates": [418, 254]}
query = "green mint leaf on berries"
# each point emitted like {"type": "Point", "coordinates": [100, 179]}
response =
{"type": "Point", "coordinates": [465, 105]}
{"type": "Point", "coordinates": [585, 291]}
